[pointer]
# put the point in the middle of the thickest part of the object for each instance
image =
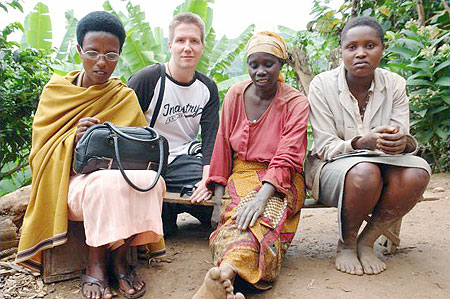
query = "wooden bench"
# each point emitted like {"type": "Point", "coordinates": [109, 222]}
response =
{"type": "Point", "coordinates": [69, 260]}
{"type": "Point", "coordinates": [390, 239]}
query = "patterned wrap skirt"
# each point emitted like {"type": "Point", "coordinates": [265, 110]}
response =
{"type": "Point", "coordinates": [257, 252]}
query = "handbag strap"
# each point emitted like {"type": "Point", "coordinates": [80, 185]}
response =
{"type": "Point", "coordinates": [114, 129]}
{"type": "Point", "coordinates": [160, 166]}
{"type": "Point", "coordinates": [160, 96]}
{"type": "Point", "coordinates": [115, 137]}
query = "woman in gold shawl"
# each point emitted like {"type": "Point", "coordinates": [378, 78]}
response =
{"type": "Point", "coordinates": [260, 176]}
{"type": "Point", "coordinates": [115, 216]}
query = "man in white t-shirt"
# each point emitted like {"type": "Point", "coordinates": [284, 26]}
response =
{"type": "Point", "coordinates": [190, 101]}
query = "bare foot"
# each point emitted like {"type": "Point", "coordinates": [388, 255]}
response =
{"type": "Point", "coordinates": [347, 260]}
{"type": "Point", "coordinates": [369, 261]}
{"type": "Point", "coordinates": [239, 296]}
{"type": "Point", "coordinates": [217, 285]}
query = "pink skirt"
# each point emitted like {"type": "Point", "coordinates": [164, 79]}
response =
{"type": "Point", "coordinates": [112, 211]}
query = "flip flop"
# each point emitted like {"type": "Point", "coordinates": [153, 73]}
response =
{"type": "Point", "coordinates": [92, 280]}
{"type": "Point", "coordinates": [130, 278]}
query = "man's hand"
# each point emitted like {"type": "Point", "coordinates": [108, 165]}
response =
{"type": "Point", "coordinates": [201, 193]}
{"type": "Point", "coordinates": [83, 125]}
{"type": "Point", "coordinates": [392, 142]}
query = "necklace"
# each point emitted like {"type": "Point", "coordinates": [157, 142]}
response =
{"type": "Point", "coordinates": [362, 109]}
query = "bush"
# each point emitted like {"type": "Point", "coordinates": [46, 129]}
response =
{"type": "Point", "coordinates": [23, 74]}
{"type": "Point", "coordinates": [421, 55]}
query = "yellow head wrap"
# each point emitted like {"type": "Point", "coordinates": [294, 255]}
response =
{"type": "Point", "coordinates": [268, 42]}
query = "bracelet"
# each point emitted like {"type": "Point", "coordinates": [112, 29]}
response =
{"type": "Point", "coordinates": [354, 140]}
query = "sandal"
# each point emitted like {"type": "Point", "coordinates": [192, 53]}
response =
{"type": "Point", "coordinates": [130, 278]}
{"type": "Point", "coordinates": [103, 285]}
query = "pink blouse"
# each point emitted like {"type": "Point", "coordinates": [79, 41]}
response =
{"type": "Point", "coordinates": [278, 137]}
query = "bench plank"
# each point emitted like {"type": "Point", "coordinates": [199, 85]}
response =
{"type": "Point", "coordinates": [176, 198]}
{"type": "Point", "coordinates": [309, 202]}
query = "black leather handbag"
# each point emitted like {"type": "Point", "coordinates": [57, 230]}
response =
{"type": "Point", "coordinates": [106, 146]}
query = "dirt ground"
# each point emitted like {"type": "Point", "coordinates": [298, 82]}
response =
{"type": "Point", "coordinates": [419, 268]}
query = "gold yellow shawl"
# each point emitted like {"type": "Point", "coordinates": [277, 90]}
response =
{"type": "Point", "coordinates": [61, 105]}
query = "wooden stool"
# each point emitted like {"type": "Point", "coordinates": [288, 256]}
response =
{"type": "Point", "coordinates": [69, 260]}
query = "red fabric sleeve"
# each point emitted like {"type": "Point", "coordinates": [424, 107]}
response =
{"type": "Point", "coordinates": [222, 156]}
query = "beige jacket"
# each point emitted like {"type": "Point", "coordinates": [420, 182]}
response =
{"type": "Point", "coordinates": [335, 118]}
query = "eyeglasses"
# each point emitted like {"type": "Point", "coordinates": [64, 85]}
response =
{"type": "Point", "coordinates": [94, 55]}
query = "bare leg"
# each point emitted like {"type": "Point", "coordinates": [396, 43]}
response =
{"type": "Point", "coordinates": [121, 266]}
{"type": "Point", "coordinates": [362, 190]}
{"type": "Point", "coordinates": [402, 190]}
{"type": "Point", "coordinates": [218, 284]}
{"type": "Point", "coordinates": [96, 268]}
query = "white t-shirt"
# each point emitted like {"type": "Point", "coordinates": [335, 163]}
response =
{"type": "Point", "coordinates": [184, 109]}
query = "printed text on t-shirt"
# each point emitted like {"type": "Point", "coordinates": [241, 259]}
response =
{"type": "Point", "coordinates": [172, 113]}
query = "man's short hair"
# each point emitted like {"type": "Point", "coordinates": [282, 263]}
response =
{"type": "Point", "coordinates": [363, 21]}
{"type": "Point", "coordinates": [100, 21]}
{"type": "Point", "coordinates": [187, 18]}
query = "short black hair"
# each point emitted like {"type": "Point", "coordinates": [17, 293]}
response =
{"type": "Point", "coordinates": [100, 21]}
{"type": "Point", "coordinates": [363, 21]}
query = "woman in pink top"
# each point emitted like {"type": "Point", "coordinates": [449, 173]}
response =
{"type": "Point", "coordinates": [256, 173]}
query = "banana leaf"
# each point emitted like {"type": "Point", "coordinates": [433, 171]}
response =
{"type": "Point", "coordinates": [38, 28]}
{"type": "Point", "coordinates": [203, 64]}
{"type": "Point", "coordinates": [225, 85]}
{"type": "Point", "coordinates": [69, 39]}
{"type": "Point", "coordinates": [134, 54]}
{"type": "Point", "coordinates": [230, 54]}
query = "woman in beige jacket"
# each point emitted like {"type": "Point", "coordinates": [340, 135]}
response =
{"type": "Point", "coordinates": [362, 159]}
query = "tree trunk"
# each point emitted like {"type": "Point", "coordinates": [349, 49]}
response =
{"type": "Point", "coordinates": [420, 13]}
{"type": "Point", "coordinates": [447, 8]}
{"type": "Point", "coordinates": [15, 204]}
{"type": "Point", "coordinates": [354, 12]}
{"type": "Point", "coordinates": [300, 65]}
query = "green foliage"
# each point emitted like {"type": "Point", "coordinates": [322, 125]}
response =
{"type": "Point", "coordinates": [142, 46]}
{"type": "Point", "coordinates": [226, 84]}
{"type": "Point", "coordinates": [225, 52]}
{"type": "Point", "coordinates": [322, 50]}
{"type": "Point", "coordinates": [38, 28]}
{"type": "Point", "coordinates": [327, 21]}
{"type": "Point", "coordinates": [68, 44]}
{"type": "Point", "coordinates": [421, 54]}
{"type": "Point", "coordinates": [394, 15]}
{"type": "Point", "coordinates": [15, 4]}
{"type": "Point", "coordinates": [24, 72]}
{"type": "Point", "coordinates": [19, 178]}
